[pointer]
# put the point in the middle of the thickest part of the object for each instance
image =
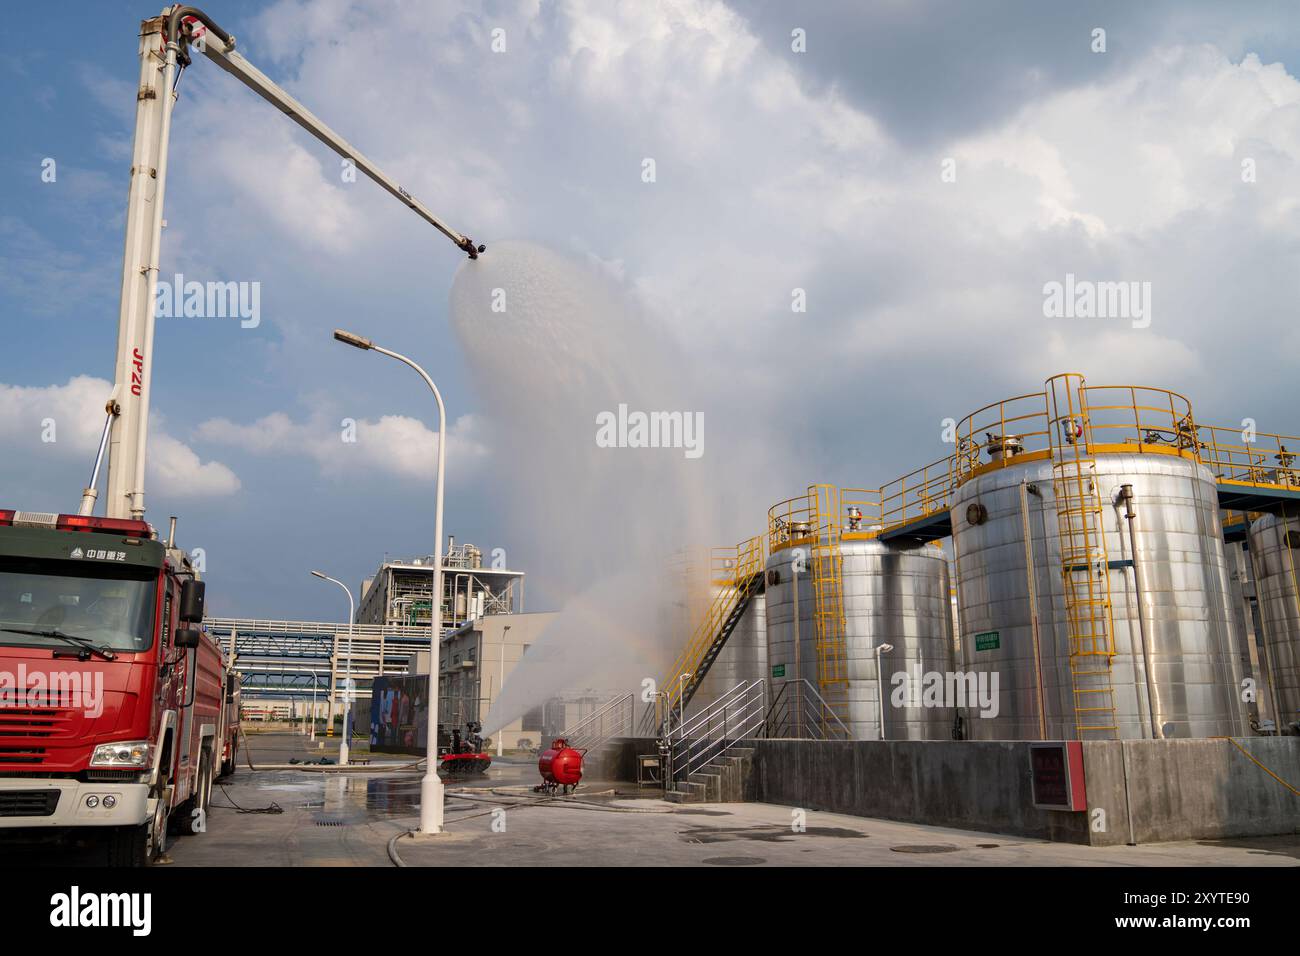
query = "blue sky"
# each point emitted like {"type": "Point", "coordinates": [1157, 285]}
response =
{"type": "Point", "coordinates": [776, 170]}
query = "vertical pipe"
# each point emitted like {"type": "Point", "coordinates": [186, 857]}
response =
{"type": "Point", "coordinates": [1264, 624]}
{"type": "Point", "coordinates": [1153, 700]}
{"type": "Point", "coordinates": [798, 708]}
{"type": "Point", "coordinates": [1031, 581]}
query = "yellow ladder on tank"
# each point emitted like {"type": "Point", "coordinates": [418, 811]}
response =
{"type": "Point", "coordinates": [826, 563]}
{"type": "Point", "coordinates": [1085, 567]}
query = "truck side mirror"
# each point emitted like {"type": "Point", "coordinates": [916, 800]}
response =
{"type": "Point", "coordinates": [187, 637]}
{"type": "Point", "coordinates": [191, 610]}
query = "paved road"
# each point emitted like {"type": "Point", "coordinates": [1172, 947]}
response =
{"type": "Point", "coordinates": [348, 819]}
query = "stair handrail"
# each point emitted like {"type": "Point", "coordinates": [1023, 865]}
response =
{"type": "Point", "coordinates": [735, 716]}
{"type": "Point", "coordinates": [574, 735]}
{"type": "Point", "coordinates": [812, 703]}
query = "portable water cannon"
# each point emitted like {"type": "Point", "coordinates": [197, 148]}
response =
{"type": "Point", "coordinates": [561, 768]}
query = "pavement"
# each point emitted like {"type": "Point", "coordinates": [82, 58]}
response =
{"type": "Point", "coordinates": [349, 818]}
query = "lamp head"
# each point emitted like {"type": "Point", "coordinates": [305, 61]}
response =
{"type": "Point", "coordinates": [351, 338]}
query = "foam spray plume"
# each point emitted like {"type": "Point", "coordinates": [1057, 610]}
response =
{"type": "Point", "coordinates": [553, 344]}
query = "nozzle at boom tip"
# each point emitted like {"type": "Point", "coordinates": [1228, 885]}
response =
{"type": "Point", "coordinates": [471, 250]}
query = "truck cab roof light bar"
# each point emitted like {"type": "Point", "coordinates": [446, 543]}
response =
{"type": "Point", "coordinates": [85, 523]}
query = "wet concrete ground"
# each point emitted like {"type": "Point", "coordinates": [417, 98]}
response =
{"type": "Point", "coordinates": [348, 820]}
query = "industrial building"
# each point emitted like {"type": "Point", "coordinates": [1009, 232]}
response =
{"type": "Point", "coordinates": [399, 593]}
{"type": "Point", "coordinates": [309, 663]}
{"type": "Point", "coordinates": [477, 659]}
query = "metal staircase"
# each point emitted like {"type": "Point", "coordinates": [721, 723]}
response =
{"type": "Point", "coordinates": [739, 574]}
{"type": "Point", "coordinates": [704, 756]}
{"type": "Point", "coordinates": [826, 565]}
{"type": "Point", "coordinates": [1084, 565]}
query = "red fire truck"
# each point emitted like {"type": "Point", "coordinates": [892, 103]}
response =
{"type": "Point", "coordinates": [116, 709]}
{"type": "Point", "coordinates": [112, 699]}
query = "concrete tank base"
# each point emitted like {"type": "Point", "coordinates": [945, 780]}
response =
{"type": "Point", "coordinates": [1138, 791]}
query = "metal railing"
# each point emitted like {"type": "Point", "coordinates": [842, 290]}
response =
{"type": "Point", "coordinates": [705, 736]}
{"type": "Point", "coordinates": [798, 711]}
{"type": "Point", "coordinates": [1109, 418]}
{"type": "Point", "coordinates": [1264, 459]}
{"type": "Point", "coordinates": [918, 494]}
{"type": "Point", "coordinates": [611, 719]}
{"type": "Point", "coordinates": [732, 570]}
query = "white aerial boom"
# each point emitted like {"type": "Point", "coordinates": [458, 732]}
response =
{"type": "Point", "coordinates": [165, 43]}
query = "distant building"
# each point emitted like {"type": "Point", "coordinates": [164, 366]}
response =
{"type": "Point", "coordinates": [400, 592]}
{"type": "Point", "coordinates": [476, 659]}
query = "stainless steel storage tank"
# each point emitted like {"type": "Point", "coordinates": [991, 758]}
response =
{"type": "Point", "coordinates": [1053, 467]}
{"type": "Point", "coordinates": [889, 595]}
{"type": "Point", "coordinates": [1275, 547]}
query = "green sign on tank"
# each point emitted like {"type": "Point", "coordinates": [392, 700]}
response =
{"type": "Point", "coordinates": [778, 670]}
{"type": "Point", "coordinates": [987, 641]}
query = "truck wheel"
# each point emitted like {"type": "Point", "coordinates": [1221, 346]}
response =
{"type": "Point", "coordinates": [196, 807]}
{"type": "Point", "coordinates": [143, 843]}
{"type": "Point", "coordinates": [128, 846]}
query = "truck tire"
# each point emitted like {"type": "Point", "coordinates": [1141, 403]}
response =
{"type": "Point", "coordinates": [128, 846]}
{"type": "Point", "coordinates": [188, 813]}
{"type": "Point", "coordinates": [141, 844]}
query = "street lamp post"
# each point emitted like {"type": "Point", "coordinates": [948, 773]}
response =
{"type": "Point", "coordinates": [431, 796]}
{"type": "Point", "coordinates": [880, 684]}
{"type": "Point", "coordinates": [681, 700]}
{"type": "Point", "coordinates": [347, 671]}
{"type": "Point", "coordinates": [314, 681]}
{"type": "Point", "coordinates": [501, 683]}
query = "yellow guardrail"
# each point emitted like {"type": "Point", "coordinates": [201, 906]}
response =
{"type": "Point", "coordinates": [918, 494]}
{"type": "Point", "coordinates": [730, 568]}
{"type": "Point", "coordinates": [1111, 419]}
{"type": "Point", "coordinates": [1263, 460]}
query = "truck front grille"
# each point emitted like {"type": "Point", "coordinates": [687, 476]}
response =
{"type": "Point", "coordinates": [28, 803]}
{"type": "Point", "coordinates": [26, 731]}
{"type": "Point", "coordinates": [23, 755]}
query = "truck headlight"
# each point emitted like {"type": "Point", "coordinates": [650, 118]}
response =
{"type": "Point", "coordinates": [132, 753]}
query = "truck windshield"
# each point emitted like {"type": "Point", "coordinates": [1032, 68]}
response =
{"type": "Point", "coordinates": [107, 605]}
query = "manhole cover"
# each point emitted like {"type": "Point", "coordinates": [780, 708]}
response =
{"type": "Point", "coordinates": [925, 848]}
{"type": "Point", "coordinates": [987, 846]}
{"type": "Point", "coordinates": [734, 860]}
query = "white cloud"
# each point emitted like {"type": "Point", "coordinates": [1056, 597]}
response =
{"type": "Point", "coordinates": [768, 180]}
{"type": "Point", "coordinates": [392, 444]}
{"type": "Point", "coordinates": [175, 470]}
{"type": "Point", "coordinates": [72, 415]}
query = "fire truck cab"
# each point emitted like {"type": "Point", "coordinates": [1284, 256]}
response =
{"type": "Point", "coordinates": [112, 698]}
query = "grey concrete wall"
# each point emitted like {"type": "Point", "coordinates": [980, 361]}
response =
{"type": "Point", "coordinates": [970, 785]}
{"type": "Point", "coordinates": [1147, 791]}
{"type": "Point", "coordinates": [615, 760]}
{"type": "Point", "coordinates": [1191, 789]}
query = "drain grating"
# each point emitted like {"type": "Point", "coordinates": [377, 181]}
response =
{"type": "Point", "coordinates": [734, 860]}
{"type": "Point", "coordinates": [925, 848]}
{"type": "Point", "coordinates": [330, 822]}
